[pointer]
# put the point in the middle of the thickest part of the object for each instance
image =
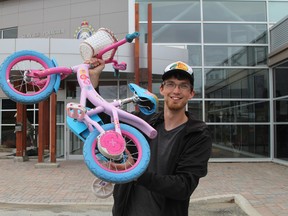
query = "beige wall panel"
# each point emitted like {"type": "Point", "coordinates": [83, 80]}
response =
{"type": "Point", "coordinates": [112, 6]}
{"type": "Point", "coordinates": [117, 22]}
{"type": "Point", "coordinates": [31, 17]}
{"type": "Point", "coordinates": [10, 7]}
{"type": "Point", "coordinates": [80, 1]}
{"type": "Point", "coordinates": [9, 20]}
{"type": "Point", "coordinates": [30, 31]}
{"type": "Point", "coordinates": [57, 29]}
{"type": "Point", "coordinates": [85, 9]}
{"type": "Point", "coordinates": [30, 5]}
{"type": "Point", "coordinates": [55, 3]}
{"type": "Point", "coordinates": [57, 13]}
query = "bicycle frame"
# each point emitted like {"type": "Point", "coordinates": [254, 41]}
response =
{"type": "Point", "coordinates": [101, 105]}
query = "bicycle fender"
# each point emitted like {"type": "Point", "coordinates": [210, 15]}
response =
{"type": "Point", "coordinates": [58, 77]}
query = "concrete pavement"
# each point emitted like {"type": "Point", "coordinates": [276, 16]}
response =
{"type": "Point", "coordinates": [258, 188]}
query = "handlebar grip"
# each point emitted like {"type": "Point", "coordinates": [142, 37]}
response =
{"type": "Point", "coordinates": [131, 37]}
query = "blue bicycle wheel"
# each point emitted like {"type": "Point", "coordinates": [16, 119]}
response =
{"type": "Point", "coordinates": [136, 144]}
{"type": "Point", "coordinates": [16, 82]}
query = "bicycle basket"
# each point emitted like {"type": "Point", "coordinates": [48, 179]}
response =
{"type": "Point", "coordinates": [102, 38]}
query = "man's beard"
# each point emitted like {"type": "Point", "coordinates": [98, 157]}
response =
{"type": "Point", "coordinates": [175, 106]}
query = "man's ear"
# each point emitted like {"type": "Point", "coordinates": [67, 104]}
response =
{"type": "Point", "coordinates": [161, 89]}
{"type": "Point", "coordinates": [192, 94]}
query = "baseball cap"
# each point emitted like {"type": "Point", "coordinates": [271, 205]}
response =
{"type": "Point", "coordinates": [179, 69]}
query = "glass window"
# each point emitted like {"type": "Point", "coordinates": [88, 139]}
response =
{"type": "Point", "coordinates": [237, 111]}
{"type": "Point", "coordinates": [60, 112]}
{"type": "Point", "coordinates": [281, 110]}
{"type": "Point", "coordinates": [281, 142]}
{"type": "Point", "coordinates": [10, 33]}
{"type": "Point", "coordinates": [8, 117]}
{"type": "Point", "coordinates": [277, 10]}
{"type": "Point", "coordinates": [197, 82]}
{"type": "Point", "coordinates": [235, 55]}
{"type": "Point", "coordinates": [240, 141]}
{"type": "Point", "coordinates": [169, 33]}
{"type": "Point", "coordinates": [280, 80]}
{"type": "Point", "coordinates": [8, 104]}
{"type": "Point", "coordinates": [122, 90]}
{"type": "Point", "coordinates": [60, 141]}
{"type": "Point", "coordinates": [172, 11]}
{"type": "Point", "coordinates": [8, 137]}
{"type": "Point", "coordinates": [156, 88]}
{"type": "Point", "coordinates": [235, 33]}
{"type": "Point", "coordinates": [236, 83]}
{"type": "Point", "coordinates": [234, 10]}
{"type": "Point", "coordinates": [195, 107]}
{"type": "Point", "coordinates": [75, 144]}
{"type": "Point", "coordinates": [195, 55]}
{"type": "Point", "coordinates": [109, 89]}
{"type": "Point", "coordinates": [160, 106]}
{"type": "Point", "coordinates": [72, 87]}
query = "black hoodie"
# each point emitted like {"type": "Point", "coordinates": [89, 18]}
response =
{"type": "Point", "coordinates": [187, 164]}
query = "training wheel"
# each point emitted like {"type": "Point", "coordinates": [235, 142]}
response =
{"type": "Point", "coordinates": [111, 144]}
{"type": "Point", "coordinates": [102, 189]}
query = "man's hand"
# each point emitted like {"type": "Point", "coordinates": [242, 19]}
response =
{"type": "Point", "coordinates": [123, 166]}
{"type": "Point", "coordinates": [97, 65]}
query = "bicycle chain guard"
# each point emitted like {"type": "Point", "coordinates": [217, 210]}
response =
{"type": "Point", "coordinates": [111, 145]}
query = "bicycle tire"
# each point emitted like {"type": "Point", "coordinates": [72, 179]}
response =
{"type": "Point", "coordinates": [12, 72]}
{"type": "Point", "coordinates": [102, 172]}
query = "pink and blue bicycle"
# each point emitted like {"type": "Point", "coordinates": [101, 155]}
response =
{"type": "Point", "coordinates": [29, 77]}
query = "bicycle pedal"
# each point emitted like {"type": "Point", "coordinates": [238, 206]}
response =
{"type": "Point", "coordinates": [75, 111]}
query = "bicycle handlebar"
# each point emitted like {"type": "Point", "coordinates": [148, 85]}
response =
{"type": "Point", "coordinates": [131, 37]}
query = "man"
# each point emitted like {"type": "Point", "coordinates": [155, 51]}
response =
{"type": "Point", "coordinates": [179, 153]}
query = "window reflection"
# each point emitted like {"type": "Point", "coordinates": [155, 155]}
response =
{"type": "Point", "coordinates": [60, 141]}
{"type": "Point", "coordinates": [60, 112]}
{"type": "Point", "coordinates": [174, 11]}
{"type": "Point", "coordinates": [195, 55]}
{"type": "Point", "coordinates": [235, 55]}
{"type": "Point", "coordinates": [277, 10]}
{"type": "Point", "coordinates": [240, 141]}
{"type": "Point", "coordinates": [281, 142]}
{"type": "Point", "coordinates": [9, 33]}
{"type": "Point", "coordinates": [237, 111]}
{"type": "Point", "coordinates": [281, 77]}
{"type": "Point", "coordinates": [8, 104]}
{"type": "Point", "coordinates": [281, 110]}
{"type": "Point", "coordinates": [197, 82]}
{"type": "Point", "coordinates": [195, 107]}
{"type": "Point", "coordinates": [169, 33]}
{"type": "Point", "coordinates": [107, 89]}
{"type": "Point", "coordinates": [236, 83]}
{"type": "Point", "coordinates": [234, 10]}
{"type": "Point", "coordinates": [8, 137]}
{"type": "Point", "coordinates": [235, 33]}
